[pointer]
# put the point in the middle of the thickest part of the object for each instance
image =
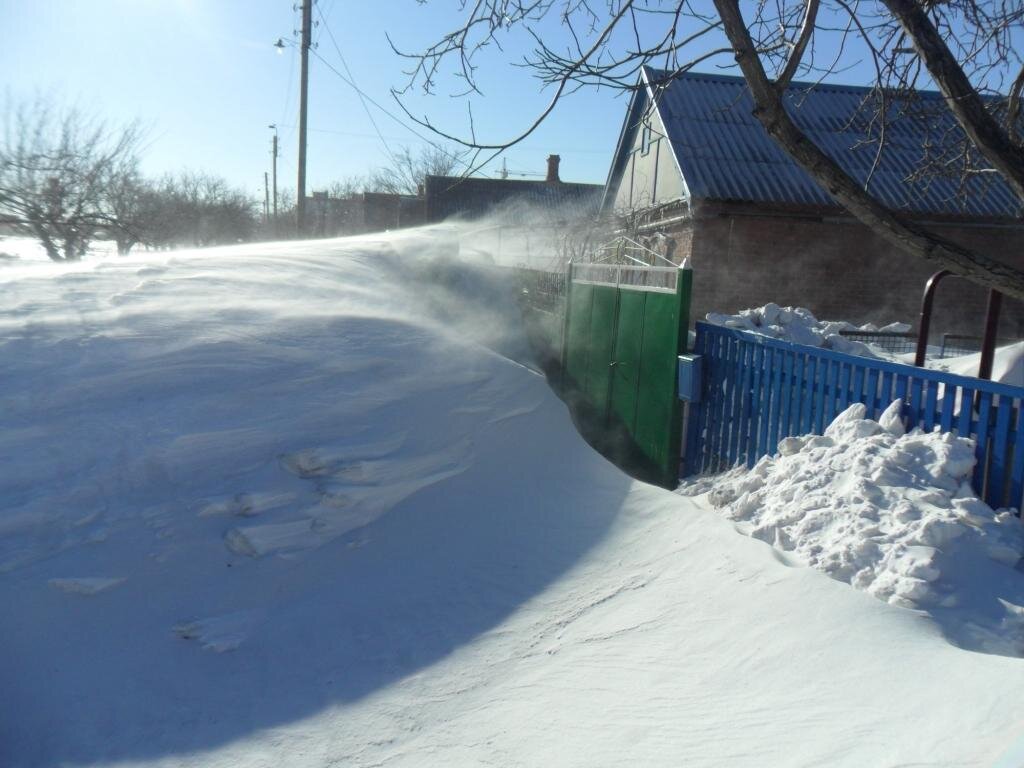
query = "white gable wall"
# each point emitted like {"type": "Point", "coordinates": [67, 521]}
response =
{"type": "Point", "coordinates": [649, 177]}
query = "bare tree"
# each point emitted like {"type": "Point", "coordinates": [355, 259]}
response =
{"type": "Point", "coordinates": [967, 48]}
{"type": "Point", "coordinates": [200, 209]}
{"type": "Point", "coordinates": [407, 171]}
{"type": "Point", "coordinates": [347, 187]}
{"type": "Point", "coordinates": [55, 167]}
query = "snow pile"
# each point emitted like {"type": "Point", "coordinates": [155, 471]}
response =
{"type": "Point", "coordinates": [799, 325]}
{"type": "Point", "coordinates": [891, 513]}
{"type": "Point", "coordinates": [301, 504]}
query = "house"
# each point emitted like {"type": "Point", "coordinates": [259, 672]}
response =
{"type": "Point", "coordinates": [474, 198]}
{"type": "Point", "coordinates": [361, 213]}
{"type": "Point", "coordinates": [693, 164]}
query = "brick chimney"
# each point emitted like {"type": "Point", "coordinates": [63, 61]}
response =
{"type": "Point", "coordinates": [553, 161]}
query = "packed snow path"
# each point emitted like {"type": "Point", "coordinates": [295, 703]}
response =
{"type": "Point", "coordinates": [304, 505]}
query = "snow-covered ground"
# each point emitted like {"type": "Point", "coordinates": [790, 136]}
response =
{"type": "Point", "coordinates": [308, 504]}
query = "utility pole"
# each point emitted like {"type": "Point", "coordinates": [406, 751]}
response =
{"type": "Point", "coordinates": [274, 153]}
{"type": "Point", "coordinates": [266, 199]}
{"type": "Point", "coordinates": [307, 25]}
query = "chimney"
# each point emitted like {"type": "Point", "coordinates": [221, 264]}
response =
{"type": "Point", "coordinates": [553, 161]}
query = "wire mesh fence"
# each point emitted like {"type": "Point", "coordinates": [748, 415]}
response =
{"type": "Point", "coordinates": [894, 342]}
{"type": "Point", "coordinates": [897, 343]}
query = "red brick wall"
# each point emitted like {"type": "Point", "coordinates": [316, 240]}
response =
{"type": "Point", "coordinates": [836, 268]}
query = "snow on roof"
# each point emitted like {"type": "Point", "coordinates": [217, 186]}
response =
{"type": "Point", "coordinates": [725, 154]}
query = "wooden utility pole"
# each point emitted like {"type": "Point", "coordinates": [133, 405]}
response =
{"type": "Point", "coordinates": [307, 25]}
{"type": "Point", "coordinates": [273, 153]}
{"type": "Point", "coordinates": [266, 199]}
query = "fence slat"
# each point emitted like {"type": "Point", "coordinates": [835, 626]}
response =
{"type": "Point", "coordinates": [711, 402]}
{"type": "Point", "coordinates": [885, 395]}
{"type": "Point", "coordinates": [844, 387]}
{"type": "Point", "coordinates": [984, 419]}
{"type": "Point", "coordinates": [949, 395]}
{"type": "Point", "coordinates": [900, 393]}
{"type": "Point", "coordinates": [740, 398]}
{"type": "Point", "coordinates": [872, 402]}
{"type": "Point", "coordinates": [916, 411]}
{"type": "Point", "coordinates": [807, 396]}
{"type": "Point", "coordinates": [995, 488]}
{"type": "Point", "coordinates": [820, 384]}
{"type": "Point", "coordinates": [796, 417]}
{"type": "Point", "coordinates": [964, 425]}
{"type": "Point", "coordinates": [931, 398]}
{"type": "Point", "coordinates": [729, 379]}
{"type": "Point", "coordinates": [779, 396]}
{"type": "Point", "coordinates": [786, 392]}
{"type": "Point", "coordinates": [766, 404]}
{"type": "Point", "coordinates": [752, 408]}
{"type": "Point", "coordinates": [1017, 488]}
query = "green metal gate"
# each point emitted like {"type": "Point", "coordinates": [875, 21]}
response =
{"type": "Point", "coordinates": [625, 328]}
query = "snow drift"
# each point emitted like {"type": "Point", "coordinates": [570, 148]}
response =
{"type": "Point", "coordinates": [307, 504]}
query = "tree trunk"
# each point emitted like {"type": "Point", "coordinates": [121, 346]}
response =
{"type": "Point", "coordinates": [770, 110]}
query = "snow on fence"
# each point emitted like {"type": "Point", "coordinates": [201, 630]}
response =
{"type": "Point", "coordinates": [758, 390]}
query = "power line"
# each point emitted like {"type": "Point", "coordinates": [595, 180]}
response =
{"type": "Point", "coordinates": [359, 93]}
{"type": "Point", "coordinates": [398, 120]}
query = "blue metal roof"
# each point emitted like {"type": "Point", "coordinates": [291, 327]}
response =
{"type": "Point", "coordinates": [724, 153]}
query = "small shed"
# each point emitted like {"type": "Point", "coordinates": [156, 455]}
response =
{"type": "Point", "coordinates": [694, 164]}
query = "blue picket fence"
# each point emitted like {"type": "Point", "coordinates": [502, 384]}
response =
{"type": "Point", "coordinates": [757, 391]}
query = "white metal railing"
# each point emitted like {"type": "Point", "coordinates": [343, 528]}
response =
{"type": "Point", "coordinates": [644, 278]}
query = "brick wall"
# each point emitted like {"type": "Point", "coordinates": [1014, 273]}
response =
{"type": "Point", "coordinates": [835, 267]}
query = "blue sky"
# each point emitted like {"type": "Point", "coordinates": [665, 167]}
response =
{"type": "Point", "coordinates": [204, 76]}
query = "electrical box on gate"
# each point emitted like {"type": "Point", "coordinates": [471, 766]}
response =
{"type": "Point", "coordinates": [691, 368]}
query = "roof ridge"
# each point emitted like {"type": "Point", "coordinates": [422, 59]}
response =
{"type": "Point", "coordinates": [658, 74]}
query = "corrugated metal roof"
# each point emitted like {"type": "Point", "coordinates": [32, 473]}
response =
{"type": "Point", "coordinates": [725, 154]}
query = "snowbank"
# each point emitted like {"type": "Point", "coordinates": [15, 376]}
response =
{"type": "Point", "coordinates": [799, 325]}
{"type": "Point", "coordinates": [891, 513]}
{"type": "Point", "coordinates": [304, 504]}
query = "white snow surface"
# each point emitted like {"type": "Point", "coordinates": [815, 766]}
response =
{"type": "Point", "coordinates": [1007, 364]}
{"type": "Point", "coordinates": [799, 325]}
{"type": "Point", "coordinates": [303, 504]}
{"type": "Point", "coordinates": [892, 514]}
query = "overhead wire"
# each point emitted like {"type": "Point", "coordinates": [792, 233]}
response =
{"type": "Point", "coordinates": [365, 98]}
{"type": "Point", "coordinates": [359, 93]}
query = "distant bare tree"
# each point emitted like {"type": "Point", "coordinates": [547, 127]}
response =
{"type": "Point", "coordinates": [55, 167]}
{"type": "Point", "coordinates": [407, 171]}
{"type": "Point", "coordinates": [132, 204]}
{"type": "Point", "coordinates": [347, 187]}
{"type": "Point", "coordinates": [203, 210]}
{"type": "Point", "coordinates": [969, 49]}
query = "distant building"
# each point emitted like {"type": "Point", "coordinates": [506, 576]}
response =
{"type": "Point", "coordinates": [448, 197]}
{"type": "Point", "coordinates": [362, 213]}
{"type": "Point", "coordinates": [694, 164]}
